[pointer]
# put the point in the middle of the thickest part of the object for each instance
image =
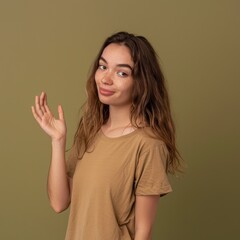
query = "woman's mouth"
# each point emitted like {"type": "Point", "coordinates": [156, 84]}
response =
{"type": "Point", "coordinates": [105, 92]}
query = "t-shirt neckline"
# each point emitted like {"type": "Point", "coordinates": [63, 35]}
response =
{"type": "Point", "coordinates": [119, 137]}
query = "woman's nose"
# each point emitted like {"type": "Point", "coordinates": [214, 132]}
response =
{"type": "Point", "coordinates": [107, 78]}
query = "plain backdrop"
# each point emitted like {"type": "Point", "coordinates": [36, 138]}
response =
{"type": "Point", "coordinates": [50, 45]}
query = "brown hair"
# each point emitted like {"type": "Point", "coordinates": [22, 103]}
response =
{"type": "Point", "coordinates": [150, 102]}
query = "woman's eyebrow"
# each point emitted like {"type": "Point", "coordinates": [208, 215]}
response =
{"type": "Point", "coordinates": [118, 65]}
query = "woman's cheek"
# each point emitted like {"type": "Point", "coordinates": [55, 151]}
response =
{"type": "Point", "coordinates": [97, 77]}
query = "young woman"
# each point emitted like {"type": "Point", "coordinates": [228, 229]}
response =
{"type": "Point", "coordinates": [123, 149]}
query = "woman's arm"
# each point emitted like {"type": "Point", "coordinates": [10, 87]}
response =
{"type": "Point", "coordinates": [58, 183]}
{"type": "Point", "coordinates": [145, 212]}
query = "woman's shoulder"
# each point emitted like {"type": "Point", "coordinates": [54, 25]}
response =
{"type": "Point", "coordinates": [147, 136]}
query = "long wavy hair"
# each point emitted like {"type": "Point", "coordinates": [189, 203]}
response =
{"type": "Point", "coordinates": [150, 101]}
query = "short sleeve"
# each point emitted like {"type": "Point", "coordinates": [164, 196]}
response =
{"type": "Point", "coordinates": [150, 175]}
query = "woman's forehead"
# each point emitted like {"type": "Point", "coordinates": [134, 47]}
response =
{"type": "Point", "coordinates": [117, 53]}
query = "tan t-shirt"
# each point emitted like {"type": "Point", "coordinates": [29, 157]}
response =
{"type": "Point", "coordinates": [107, 180]}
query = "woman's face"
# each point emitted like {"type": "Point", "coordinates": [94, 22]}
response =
{"type": "Point", "coordinates": [114, 76]}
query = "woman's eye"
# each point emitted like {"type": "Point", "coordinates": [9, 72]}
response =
{"type": "Point", "coordinates": [122, 74]}
{"type": "Point", "coordinates": [102, 67]}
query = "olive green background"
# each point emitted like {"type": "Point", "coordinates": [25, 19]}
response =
{"type": "Point", "coordinates": [50, 44]}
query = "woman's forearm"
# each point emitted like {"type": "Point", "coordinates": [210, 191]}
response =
{"type": "Point", "coordinates": [58, 184]}
{"type": "Point", "coordinates": [145, 212]}
{"type": "Point", "coordinates": [141, 235]}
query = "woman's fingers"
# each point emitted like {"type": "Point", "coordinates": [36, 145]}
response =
{"type": "Point", "coordinates": [38, 107]}
{"type": "Point", "coordinates": [42, 110]}
{"type": "Point", "coordinates": [43, 102]}
{"type": "Point", "coordinates": [60, 112]}
{"type": "Point", "coordinates": [39, 110]}
{"type": "Point", "coordinates": [46, 106]}
{"type": "Point", "coordinates": [41, 105]}
{"type": "Point", "coordinates": [35, 115]}
{"type": "Point", "coordinates": [48, 111]}
{"type": "Point", "coordinates": [55, 128]}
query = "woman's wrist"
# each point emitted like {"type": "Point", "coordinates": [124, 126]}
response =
{"type": "Point", "coordinates": [59, 141]}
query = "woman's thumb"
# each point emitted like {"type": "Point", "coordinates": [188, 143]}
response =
{"type": "Point", "coordinates": [60, 112]}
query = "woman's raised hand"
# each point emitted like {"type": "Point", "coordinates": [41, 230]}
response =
{"type": "Point", "coordinates": [55, 128]}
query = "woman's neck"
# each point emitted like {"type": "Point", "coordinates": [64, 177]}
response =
{"type": "Point", "coordinates": [118, 117]}
{"type": "Point", "coordinates": [119, 122]}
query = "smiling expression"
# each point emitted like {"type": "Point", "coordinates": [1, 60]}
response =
{"type": "Point", "coordinates": [114, 76]}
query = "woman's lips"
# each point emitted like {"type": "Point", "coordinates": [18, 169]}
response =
{"type": "Point", "coordinates": [105, 92]}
